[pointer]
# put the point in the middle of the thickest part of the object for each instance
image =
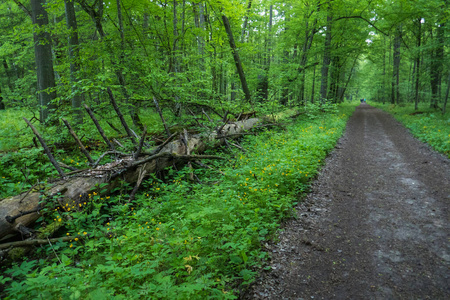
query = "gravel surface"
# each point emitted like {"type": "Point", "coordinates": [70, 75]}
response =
{"type": "Point", "coordinates": [375, 226]}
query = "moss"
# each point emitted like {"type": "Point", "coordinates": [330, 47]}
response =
{"type": "Point", "coordinates": [49, 230]}
{"type": "Point", "coordinates": [17, 254]}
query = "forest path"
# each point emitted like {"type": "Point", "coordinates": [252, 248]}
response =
{"type": "Point", "coordinates": [375, 226]}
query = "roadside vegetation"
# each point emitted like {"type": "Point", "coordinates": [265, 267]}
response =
{"type": "Point", "coordinates": [427, 124]}
{"type": "Point", "coordinates": [181, 239]}
{"type": "Point", "coordinates": [23, 162]}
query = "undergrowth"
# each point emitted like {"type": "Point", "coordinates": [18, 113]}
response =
{"type": "Point", "coordinates": [179, 239]}
{"type": "Point", "coordinates": [22, 164]}
{"type": "Point", "coordinates": [428, 125]}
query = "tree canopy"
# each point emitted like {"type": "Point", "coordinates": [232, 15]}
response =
{"type": "Point", "coordinates": [284, 53]}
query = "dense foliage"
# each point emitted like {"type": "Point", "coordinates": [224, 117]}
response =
{"type": "Point", "coordinates": [178, 239]}
{"type": "Point", "coordinates": [178, 52]}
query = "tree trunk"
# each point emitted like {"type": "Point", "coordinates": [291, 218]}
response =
{"type": "Point", "coordinates": [236, 57]}
{"type": "Point", "coordinates": [269, 50]}
{"type": "Point", "coordinates": [96, 16]}
{"type": "Point", "coordinates": [326, 58]}
{"type": "Point", "coordinates": [9, 75]}
{"type": "Point", "coordinates": [175, 39]}
{"type": "Point", "coordinates": [309, 36]}
{"type": "Point", "coordinates": [43, 57]}
{"type": "Point", "coordinates": [396, 67]}
{"type": "Point", "coordinates": [446, 95]}
{"type": "Point", "coordinates": [437, 59]}
{"type": "Point", "coordinates": [244, 27]}
{"type": "Point", "coordinates": [75, 190]}
{"type": "Point", "coordinates": [335, 69]}
{"type": "Point", "coordinates": [313, 84]}
{"type": "Point", "coordinates": [74, 57]}
{"type": "Point", "coordinates": [2, 105]}
{"type": "Point", "coordinates": [200, 23]}
{"type": "Point", "coordinates": [119, 71]}
{"type": "Point", "coordinates": [419, 40]}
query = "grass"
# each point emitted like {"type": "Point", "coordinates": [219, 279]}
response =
{"type": "Point", "coordinates": [180, 239]}
{"type": "Point", "coordinates": [430, 126]}
{"type": "Point", "coordinates": [13, 134]}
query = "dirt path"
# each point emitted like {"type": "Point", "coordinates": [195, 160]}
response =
{"type": "Point", "coordinates": [376, 225]}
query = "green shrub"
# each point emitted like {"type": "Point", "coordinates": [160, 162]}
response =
{"type": "Point", "coordinates": [179, 239]}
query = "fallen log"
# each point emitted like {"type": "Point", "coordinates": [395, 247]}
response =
{"type": "Point", "coordinates": [23, 209]}
{"type": "Point", "coordinates": [37, 242]}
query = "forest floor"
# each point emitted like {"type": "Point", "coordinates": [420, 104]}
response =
{"type": "Point", "coordinates": [375, 225]}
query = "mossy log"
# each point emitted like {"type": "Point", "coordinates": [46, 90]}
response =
{"type": "Point", "coordinates": [22, 211]}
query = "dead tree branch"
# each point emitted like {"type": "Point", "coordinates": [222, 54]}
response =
{"type": "Point", "coordinates": [47, 150]}
{"type": "Point", "coordinates": [67, 167]}
{"type": "Point", "coordinates": [11, 219]}
{"type": "Point", "coordinates": [120, 115]}
{"type": "Point", "coordinates": [207, 167]}
{"type": "Point", "coordinates": [233, 135]}
{"type": "Point", "coordinates": [141, 144]}
{"type": "Point", "coordinates": [161, 116]}
{"type": "Point", "coordinates": [158, 149]}
{"type": "Point", "coordinates": [99, 128]}
{"type": "Point", "coordinates": [80, 145]}
{"type": "Point", "coordinates": [107, 153]}
{"type": "Point", "coordinates": [114, 128]}
{"type": "Point", "coordinates": [37, 242]}
{"type": "Point", "coordinates": [142, 173]}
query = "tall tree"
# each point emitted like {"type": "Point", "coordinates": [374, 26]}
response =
{"type": "Point", "coordinates": [74, 57]}
{"type": "Point", "coordinates": [43, 57]}
{"type": "Point", "coordinates": [419, 41]}
{"type": "Point", "coordinates": [236, 57]}
{"type": "Point", "coordinates": [395, 96]}
{"type": "Point", "coordinates": [326, 56]}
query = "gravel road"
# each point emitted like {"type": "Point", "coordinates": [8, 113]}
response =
{"type": "Point", "coordinates": [375, 226]}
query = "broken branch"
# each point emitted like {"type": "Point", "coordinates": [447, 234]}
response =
{"type": "Point", "coordinates": [163, 144]}
{"type": "Point", "coordinates": [80, 145]}
{"type": "Point", "coordinates": [161, 116]}
{"type": "Point", "coordinates": [47, 150]}
{"type": "Point", "coordinates": [119, 113]}
{"type": "Point", "coordinates": [141, 144]}
{"type": "Point", "coordinates": [233, 135]}
{"type": "Point", "coordinates": [36, 242]}
{"type": "Point", "coordinates": [99, 128]}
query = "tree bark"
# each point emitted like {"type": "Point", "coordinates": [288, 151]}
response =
{"type": "Point", "coordinates": [236, 57]}
{"type": "Point", "coordinates": [175, 39]}
{"type": "Point", "coordinates": [43, 57]}
{"type": "Point", "coordinates": [395, 97]}
{"type": "Point", "coordinates": [326, 58]}
{"type": "Point", "coordinates": [74, 57]}
{"type": "Point", "coordinates": [244, 27]}
{"type": "Point", "coordinates": [200, 24]}
{"type": "Point", "coordinates": [437, 60]}
{"type": "Point", "coordinates": [309, 36]}
{"type": "Point", "coordinates": [269, 48]}
{"type": "Point", "coordinates": [419, 40]}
